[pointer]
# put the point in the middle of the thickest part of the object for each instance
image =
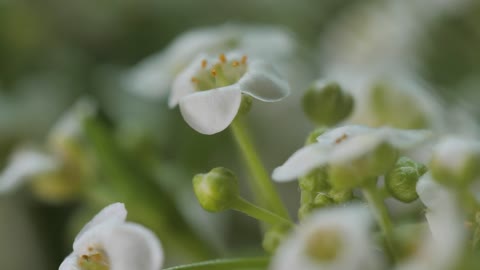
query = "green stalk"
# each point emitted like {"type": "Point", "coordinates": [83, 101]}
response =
{"type": "Point", "coordinates": [261, 184]}
{"type": "Point", "coordinates": [227, 264]}
{"type": "Point", "coordinates": [375, 200]}
{"type": "Point", "coordinates": [259, 213]}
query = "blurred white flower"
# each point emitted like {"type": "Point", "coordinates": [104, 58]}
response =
{"type": "Point", "coordinates": [209, 91]}
{"type": "Point", "coordinates": [330, 239]}
{"type": "Point", "coordinates": [108, 242]}
{"type": "Point", "coordinates": [443, 244]}
{"type": "Point", "coordinates": [23, 164]}
{"type": "Point", "coordinates": [344, 144]}
{"type": "Point", "coordinates": [153, 77]}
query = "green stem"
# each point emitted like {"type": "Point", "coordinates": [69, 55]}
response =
{"type": "Point", "coordinates": [226, 264]}
{"type": "Point", "coordinates": [377, 204]}
{"type": "Point", "coordinates": [259, 213]}
{"type": "Point", "coordinates": [263, 189]}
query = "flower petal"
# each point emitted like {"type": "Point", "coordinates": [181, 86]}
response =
{"type": "Point", "coordinates": [336, 135]}
{"type": "Point", "coordinates": [182, 84]}
{"type": "Point", "coordinates": [355, 147]}
{"type": "Point", "coordinates": [262, 82]}
{"type": "Point", "coordinates": [113, 213]}
{"type": "Point", "coordinates": [302, 162]}
{"type": "Point", "coordinates": [70, 263]}
{"type": "Point", "coordinates": [210, 112]}
{"type": "Point", "coordinates": [403, 139]}
{"type": "Point", "coordinates": [23, 164]}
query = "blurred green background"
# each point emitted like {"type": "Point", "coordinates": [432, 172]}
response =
{"type": "Point", "coordinates": [54, 51]}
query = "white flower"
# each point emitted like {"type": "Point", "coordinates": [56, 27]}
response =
{"type": "Point", "coordinates": [442, 245]}
{"type": "Point", "coordinates": [209, 91]}
{"type": "Point", "coordinates": [344, 144]}
{"type": "Point", "coordinates": [331, 239]}
{"type": "Point", "coordinates": [108, 242]}
{"type": "Point", "coordinates": [23, 164]}
{"type": "Point", "coordinates": [153, 77]}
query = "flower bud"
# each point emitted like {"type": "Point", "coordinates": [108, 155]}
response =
{"type": "Point", "coordinates": [354, 173]}
{"type": "Point", "coordinates": [274, 237]}
{"type": "Point", "coordinates": [305, 210]}
{"type": "Point", "coordinates": [316, 180]}
{"type": "Point", "coordinates": [321, 200]}
{"type": "Point", "coordinates": [216, 190]}
{"type": "Point", "coordinates": [340, 195]}
{"type": "Point", "coordinates": [327, 103]}
{"type": "Point", "coordinates": [402, 180]}
{"type": "Point", "coordinates": [312, 137]}
{"type": "Point", "coordinates": [456, 162]}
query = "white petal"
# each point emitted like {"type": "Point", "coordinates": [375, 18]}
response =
{"type": "Point", "coordinates": [127, 246]}
{"type": "Point", "coordinates": [182, 85]}
{"type": "Point", "coordinates": [23, 164]}
{"type": "Point", "coordinates": [210, 112]}
{"type": "Point", "coordinates": [355, 147]}
{"type": "Point", "coordinates": [302, 162]}
{"type": "Point", "coordinates": [403, 139]}
{"type": "Point", "coordinates": [70, 263]}
{"type": "Point", "coordinates": [113, 213]}
{"type": "Point", "coordinates": [431, 193]}
{"type": "Point", "coordinates": [262, 82]}
{"type": "Point", "coordinates": [332, 136]}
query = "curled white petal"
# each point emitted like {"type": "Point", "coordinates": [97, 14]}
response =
{"type": "Point", "coordinates": [332, 136]}
{"type": "Point", "coordinates": [182, 85]}
{"type": "Point", "coordinates": [210, 112]}
{"type": "Point", "coordinates": [355, 147]}
{"type": "Point", "coordinates": [23, 164]}
{"type": "Point", "coordinates": [353, 225]}
{"type": "Point", "coordinates": [262, 82]}
{"type": "Point", "coordinates": [404, 139]}
{"type": "Point", "coordinates": [113, 213]}
{"type": "Point", "coordinates": [70, 263]}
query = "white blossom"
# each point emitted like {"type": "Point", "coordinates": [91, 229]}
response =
{"type": "Point", "coordinates": [346, 230]}
{"type": "Point", "coordinates": [209, 91]}
{"type": "Point", "coordinates": [108, 242]}
{"type": "Point", "coordinates": [344, 144]}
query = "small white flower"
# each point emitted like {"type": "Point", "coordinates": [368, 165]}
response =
{"type": "Point", "coordinates": [209, 91]}
{"type": "Point", "coordinates": [442, 245]}
{"type": "Point", "coordinates": [153, 77]}
{"type": "Point", "coordinates": [23, 164]}
{"type": "Point", "coordinates": [331, 239]}
{"type": "Point", "coordinates": [345, 144]}
{"type": "Point", "coordinates": [108, 242]}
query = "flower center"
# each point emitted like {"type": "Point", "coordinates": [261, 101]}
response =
{"type": "Point", "coordinates": [219, 73]}
{"type": "Point", "coordinates": [94, 260]}
{"type": "Point", "coordinates": [324, 245]}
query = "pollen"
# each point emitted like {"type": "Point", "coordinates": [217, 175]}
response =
{"type": "Point", "coordinates": [204, 63]}
{"type": "Point", "coordinates": [222, 58]}
{"type": "Point", "coordinates": [213, 72]}
{"type": "Point", "coordinates": [244, 59]}
{"type": "Point", "coordinates": [341, 139]}
{"type": "Point", "coordinates": [235, 63]}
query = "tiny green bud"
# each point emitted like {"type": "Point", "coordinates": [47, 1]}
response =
{"type": "Point", "coordinates": [321, 200]}
{"type": "Point", "coordinates": [340, 195]}
{"type": "Point", "coordinates": [351, 174]}
{"type": "Point", "coordinates": [274, 237]}
{"type": "Point", "coordinates": [324, 245]}
{"type": "Point", "coordinates": [456, 162]}
{"type": "Point", "coordinates": [402, 180]}
{"type": "Point", "coordinates": [312, 137]}
{"type": "Point", "coordinates": [327, 103]}
{"type": "Point", "coordinates": [216, 190]}
{"type": "Point", "coordinates": [316, 180]}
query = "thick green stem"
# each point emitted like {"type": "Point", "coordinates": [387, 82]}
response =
{"type": "Point", "coordinates": [263, 189]}
{"type": "Point", "coordinates": [375, 200]}
{"type": "Point", "coordinates": [226, 264]}
{"type": "Point", "coordinates": [259, 213]}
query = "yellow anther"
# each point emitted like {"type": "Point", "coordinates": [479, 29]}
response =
{"type": "Point", "coordinates": [213, 72]}
{"type": "Point", "coordinates": [341, 139]}
{"type": "Point", "coordinates": [204, 63]}
{"type": "Point", "coordinates": [194, 80]}
{"type": "Point", "coordinates": [222, 58]}
{"type": "Point", "coordinates": [235, 63]}
{"type": "Point", "coordinates": [244, 59]}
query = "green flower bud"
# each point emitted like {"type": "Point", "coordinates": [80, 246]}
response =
{"type": "Point", "coordinates": [305, 210]}
{"type": "Point", "coordinates": [316, 180]}
{"type": "Point", "coordinates": [340, 196]}
{"type": "Point", "coordinates": [456, 162]}
{"type": "Point", "coordinates": [274, 237]}
{"type": "Point", "coordinates": [402, 180]}
{"type": "Point", "coordinates": [216, 190]}
{"type": "Point", "coordinates": [312, 137]}
{"type": "Point", "coordinates": [321, 200]}
{"type": "Point", "coordinates": [348, 175]}
{"type": "Point", "coordinates": [324, 245]}
{"type": "Point", "coordinates": [327, 103]}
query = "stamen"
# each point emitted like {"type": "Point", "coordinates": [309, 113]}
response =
{"type": "Point", "coordinates": [244, 59]}
{"type": "Point", "coordinates": [194, 80]}
{"type": "Point", "coordinates": [204, 63]}
{"type": "Point", "coordinates": [223, 58]}
{"type": "Point", "coordinates": [213, 72]}
{"type": "Point", "coordinates": [341, 139]}
{"type": "Point", "coordinates": [235, 63]}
